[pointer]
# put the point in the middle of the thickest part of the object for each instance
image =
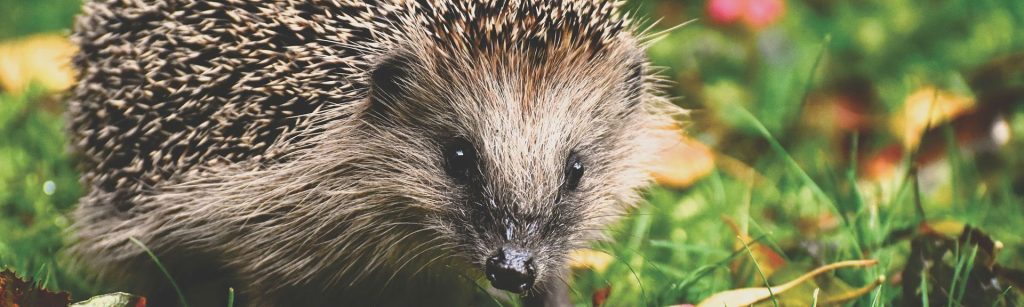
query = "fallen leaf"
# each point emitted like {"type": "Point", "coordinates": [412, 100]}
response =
{"type": "Point", "coordinates": [947, 228]}
{"type": "Point", "coordinates": [748, 296]}
{"type": "Point", "coordinates": [934, 261]}
{"type": "Point", "coordinates": [44, 58]}
{"type": "Point", "coordinates": [924, 108]}
{"type": "Point", "coordinates": [118, 299]}
{"type": "Point", "coordinates": [682, 161]}
{"type": "Point", "coordinates": [15, 292]}
{"type": "Point", "coordinates": [589, 259]}
{"type": "Point", "coordinates": [852, 295]}
{"type": "Point", "coordinates": [883, 164]}
{"type": "Point", "coordinates": [838, 111]}
{"type": "Point", "coordinates": [601, 296]}
{"type": "Point", "coordinates": [768, 261]}
{"type": "Point", "coordinates": [738, 169]}
{"type": "Point", "coordinates": [1014, 276]}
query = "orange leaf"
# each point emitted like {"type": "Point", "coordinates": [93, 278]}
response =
{"type": "Point", "coordinates": [682, 161]}
{"type": "Point", "coordinates": [768, 261]}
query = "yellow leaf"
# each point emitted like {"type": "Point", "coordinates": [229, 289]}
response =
{"type": "Point", "coordinates": [927, 106]}
{"type": "Point", "coordinates": [748, 296]}
{"type": "Point", "coordinates": [587, 258]}
{"type": "Point", "coordinates": [949, 228]}
{"type": "Point", "coordinates": [44, 59]}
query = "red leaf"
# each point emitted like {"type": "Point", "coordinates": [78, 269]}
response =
{"type": "Point", "coordinates": [601, 295]}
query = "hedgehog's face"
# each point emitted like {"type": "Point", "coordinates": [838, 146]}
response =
{"type": "Point", "coordinates": [528, 158]}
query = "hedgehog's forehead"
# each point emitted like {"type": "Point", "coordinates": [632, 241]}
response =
{"type": "Point", "coordinates": [471, 26]}
{"type": "Point", "coordinates": [514, 91]}
{"type": "Point", "coordinates": [531, 119]}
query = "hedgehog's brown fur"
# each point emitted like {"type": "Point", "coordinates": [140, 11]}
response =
{"type": "Point", "coordinates": [293, 146]}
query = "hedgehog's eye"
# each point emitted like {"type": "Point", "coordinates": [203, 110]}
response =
{"type": "Point", "coordinates": [460, 159]}
{"type": "Point", "coordinates": [573, 172]}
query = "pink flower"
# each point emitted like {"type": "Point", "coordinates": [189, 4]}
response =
{"type": "Point", "coordinates": [726, 11]}
{"type": "Point", "coordinates": [761, 13]}
{"type": "Point", "coordinates": [756, 14]}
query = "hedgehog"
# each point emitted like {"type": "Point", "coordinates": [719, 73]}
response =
{"type": "Point", "coordinates": [315, 152]}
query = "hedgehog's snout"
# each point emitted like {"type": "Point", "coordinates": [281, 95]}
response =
{"type": "Point", "coordinates": [511, 269]}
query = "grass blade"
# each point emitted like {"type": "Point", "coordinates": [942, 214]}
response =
{"type": "Point", "coordinates": [181, 296]}
{"type": "Point", "coordinates": [764, 278]}
{"type": "Point", "coordinates": [231, 297]}
{"type": "Point", "coordinates": [924, 288]}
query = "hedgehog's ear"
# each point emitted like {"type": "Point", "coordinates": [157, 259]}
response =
{"type": "Point", "coordinates": [387, 83]}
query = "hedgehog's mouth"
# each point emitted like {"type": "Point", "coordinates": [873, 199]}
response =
{"type": "Point", "coordinates": [511, 269]}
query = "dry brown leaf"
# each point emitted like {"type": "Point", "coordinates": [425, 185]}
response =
{"type": "Point", "coordinates": [44, 59]}
{"type": "Point", "coordinates": [935, 258]}
{"type": "Point", "coordinates": [748, 296]}
{"type": "Point", "coordinates": [15, 292]}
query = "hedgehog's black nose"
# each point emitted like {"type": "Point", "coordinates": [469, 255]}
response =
{"type": "Point", "coordinates": [511, 269]}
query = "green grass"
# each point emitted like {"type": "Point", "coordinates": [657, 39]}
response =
{"type": "Point", "coordinates": [752, 93]}
{"type": "Point", "coordinates": [37, 188]}
{"type": "Point", "coordinates": [170, 278]}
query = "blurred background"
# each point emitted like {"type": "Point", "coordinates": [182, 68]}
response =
{"type": "Point", "coordinates": [819, 131]}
